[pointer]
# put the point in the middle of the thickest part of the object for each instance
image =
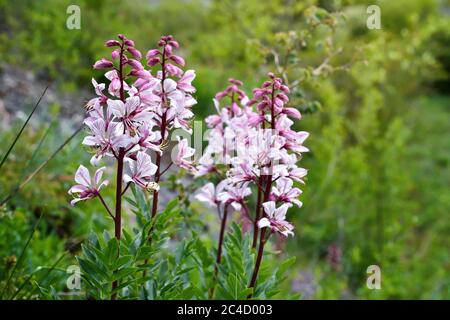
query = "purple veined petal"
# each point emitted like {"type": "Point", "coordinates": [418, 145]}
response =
{"type": "Point", "coordinates": [302, 136]}
{"type": "Point", "coordinates": [110, 75]}
{"type": "Point", "coordinates": [144, 165]}
{"type": "Point", "coordinates": [280, 213]}
{"type": "Point", "coordinates": [117, 108]}
{"type": "Point", "coordinates": [97, 126]}
{"type": "Point", "coordinates": [127, 179]}
{"type": "Point", "coordinates": [103, 184]}
{"type": "Point", "coordinates": [95, 160]}
{"type": "Point", "coordinates": [264, 222]}
{"type": "Point", "coordinates": [269, 208]}
{"type": "Point", "coordinates": [297, 202]}
{"type": "Point", "coordinates": [131, 104]}
{"type": "Point", "coordinates": [169, 85]}
{"type": "Point", "coordinates": [74, 201]}
{"type": "Point", "coordinates": [82, 176]}
{"type": "Point", "coordinates": [78, 188]}
{"type": "Point", "coordinates": [236, 206]}
{"type": "Point", "coordinates": [90, 141]}
{"type": "Point", "coordinates": [98, 175]}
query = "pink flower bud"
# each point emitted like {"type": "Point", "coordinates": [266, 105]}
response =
{"type": "Point", "coordinates": [103, 64]}
{"type": "Point", "coordinates": [168, 50]}
{"type": "Point", "coordinates": [152, 53]}
{"type": "Point", "coordinates": [121, 36]}
{"type": "Point", "coordinates": [220, 95]}
{"type": "Point", "coordinates": [129, 43]}
{"type": "Point", "coordinates": [115, 54]}
{"type": "Point", "coordinates": [267, 84]}
{"type": "Point", "coordinates": [174, 70]}
{"type": "Point", "coordinates": [292, 112]}
{"type": "Point", "coordinates": [135, 64]}
{"type": "Point", "coordinates": [285, 88]}
{"type": "Point", "coordinates": [153, 61]}
{"type": "Point", "coordinates": [134, 52]}
{"type": "Point", "coordinates": [112, 43]}
{"type": "Point", "coordinates": [178, 60]}
{"type": "Point", "coordinates": [283, 97]}
{"type": "Point", "coordinates": [174, 44]}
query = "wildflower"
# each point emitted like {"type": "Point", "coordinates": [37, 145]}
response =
{"type": "Point", "coordinates": [284, 192]}
{"type": "Point", "coordinates": [275, 219]}
{"type": "Point", "coordinates": [142, 170]}
{"type": "Point", "coordinates": [87, 188]}
{"type": "Point", "coordinates": [210, 194]}
{"type": "Point", "coordinates": [184, 152]}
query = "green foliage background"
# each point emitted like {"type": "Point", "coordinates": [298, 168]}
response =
{"type": "Point", "coordinates": [379, 117]}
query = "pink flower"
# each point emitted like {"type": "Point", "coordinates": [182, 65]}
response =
{"type": "Point", "coordinates": [235, 196]}
{"type": "Point", "coordinates": [86, 188]}
{"type": "Point", "coordinates": [114, 86]}
{"type": "Point", "coordinates": [131, 113]}
{"type": "Point", "coordinates": [283, 192]}
{"type": "Point", "coordinates": [149, 139]}
{"type": "Point", "coordinates": [275, 219]}
{"type": "Point", "coordinates": [142, 171]}
{"type": "Point", "coordinates": [210, 194]}
{"type": "Point", "coordinates": [184, 152]}
{"type": "Point", "coordinates": [105, 138]}
{"type": "Point", "coordinates": [184, 83]}
{"type": "Point", "coordinates": [95, 103]}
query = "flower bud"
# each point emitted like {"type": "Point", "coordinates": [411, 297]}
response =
{"type": "Point", "coordinates": [134, 52]}
{"type": "Point", "coordinates": [115, 54]}
{"type": "Point", "coordinates": [103, 64]}
{"type": "Point", "coordinates": [178, 60]}
{"type": "Point", "coordinates": [129, 42]}
{"type": "Point", "coordinates": [135, 64]}
{"type": "Point", "coordinates": [153, 61]}
{"type": "Point", "coordinates": [112, 43]}
{"type": "Point", "coordinates": [152, 53]}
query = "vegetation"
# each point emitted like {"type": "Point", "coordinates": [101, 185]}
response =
{"type": "Point", "coordinates": [375, 103]}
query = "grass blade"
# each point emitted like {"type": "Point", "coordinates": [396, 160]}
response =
{"type": "Point", "coordinates": [19, 261]}
{"type": "Point", "coordinates": [23, 128]}
{"type": "Point", "coordinates": [40, 167]}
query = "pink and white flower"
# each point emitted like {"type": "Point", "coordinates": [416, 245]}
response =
{"type": "Point", "coordinates": [276, 218]}
{"type": "Point", "coordinates": [284, 192]}
{"type": "Point", "coordinates": [87, 187]}
{"type": "Point", "coordinates": [184, 154]}
{"type": "Point", "coordinates": [142, 170]}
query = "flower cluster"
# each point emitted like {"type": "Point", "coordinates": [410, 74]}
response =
{"type": "Point", "coordinates": [135, 113]}
{"type": "Point", "coordinates": [255, 142]}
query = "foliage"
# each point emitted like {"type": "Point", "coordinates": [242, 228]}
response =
{"type": "Point", "coordinates": [378, 171]}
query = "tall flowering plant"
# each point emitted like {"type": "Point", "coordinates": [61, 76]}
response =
{"type": "Point", "coordinates": [130, 121]}
{"type": "Point", "coordinates": [254, 150]}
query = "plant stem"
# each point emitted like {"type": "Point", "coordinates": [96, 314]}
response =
{"type": "Point", "coordinates": [257, 215]}
{"type": "Point", "coordinates": [119, 178]}
{"type": "Point", "coordinates": [221, 236]}
{"type": "Point", "coordinates": [219, 246]}
{"type": "Point", "coordinates": [262, 242]}
{"type": "Point", "coordinates": [163, 133]}
{"type": "Point", "coordinates": [118, 215]}
{"type": "Point", "coordinates": [105, 205]}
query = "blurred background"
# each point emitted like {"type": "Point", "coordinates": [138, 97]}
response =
{"type": "Point", "coordinates": [376, 102]}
